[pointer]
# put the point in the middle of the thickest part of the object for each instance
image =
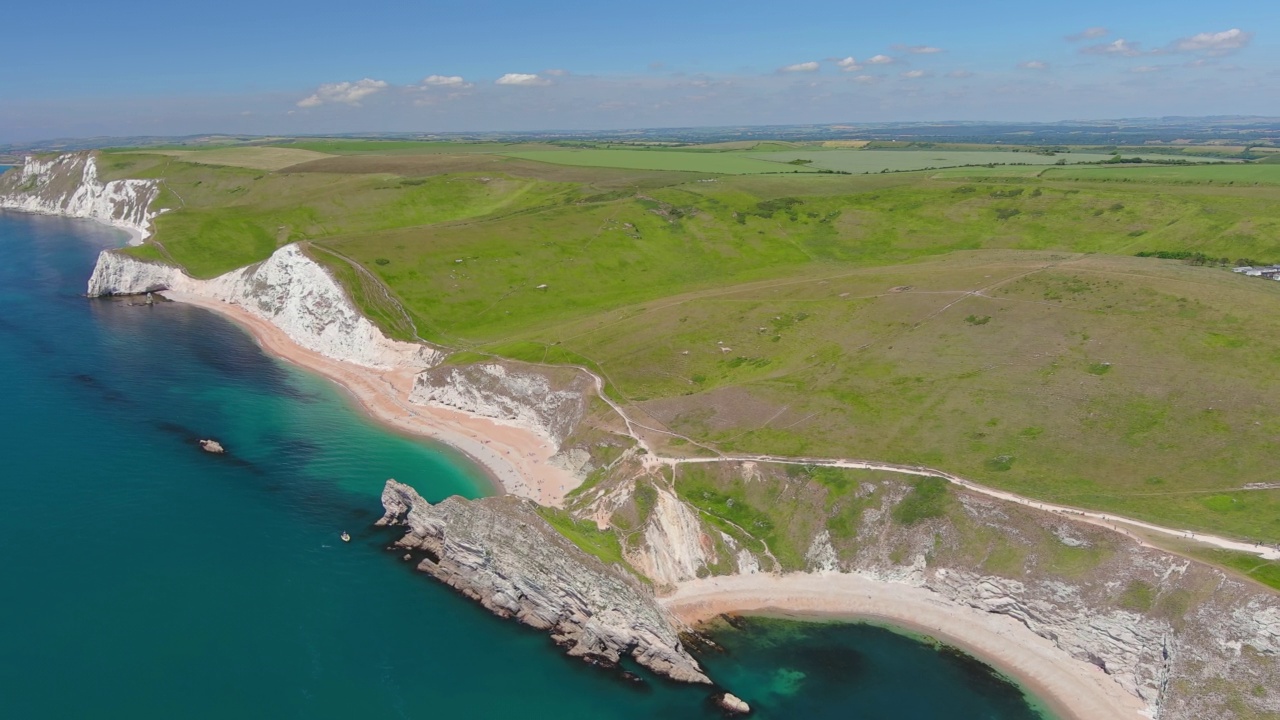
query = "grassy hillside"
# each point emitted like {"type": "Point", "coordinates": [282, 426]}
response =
{"type": "Point", "coordinates": [991, 322]}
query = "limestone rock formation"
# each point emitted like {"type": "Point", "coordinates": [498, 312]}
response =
{"type": "Point", "coordinates": [500, 552]}
{"type": "Point", "coordinates": [733, 704]}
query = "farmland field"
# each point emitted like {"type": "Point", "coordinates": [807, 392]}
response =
{"type": "Point", "coordinates": [726, 163]}
{"type": "Point", "coordinates": [1263, 173]}
{"type": "Point", "coordinates": [256, 158]}
{"type": "Point", "coordinates": [401, 147]}
{"type": "Point", "coordinates": [874, 161]}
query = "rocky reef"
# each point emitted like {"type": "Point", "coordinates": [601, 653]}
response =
{"type": "Point", "coordinates": [68, 185]}
{"type": "Point", "coordinates": [288, 289]}
{"type": "Point", "coordinates": [500, 552]}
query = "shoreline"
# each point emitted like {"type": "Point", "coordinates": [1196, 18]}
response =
{"type": "Point", "coordinates": [136, 235]}
{"type": "Point", "coordinates": [515, 460]}
{"type": "Point", "coordinates": [1071, 689]}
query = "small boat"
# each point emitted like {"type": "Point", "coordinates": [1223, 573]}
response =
{"type": "Point", "coordinates": [345, 537]}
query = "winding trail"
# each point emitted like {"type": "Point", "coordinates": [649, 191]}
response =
{"type": "Point", "coordinates": [1127, 526]}
{"type": "Point", "coordinates": [1114, 522]}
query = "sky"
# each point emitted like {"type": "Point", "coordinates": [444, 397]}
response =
{"type": "Point", "coordinates": [80, 69]}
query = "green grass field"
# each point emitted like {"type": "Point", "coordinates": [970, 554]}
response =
{"type": "Point", "coordinates": [874, 161]}
{"type": "Point", "coordinates": [726, 163]}
{"type": "Point", "coordinates": [401, 147]}
{"type": "Point", "coordinates": [978, 320]}
{"type": "Point", "coordinates": [1264, 173]}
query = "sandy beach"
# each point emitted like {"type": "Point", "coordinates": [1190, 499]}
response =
{"type": "Point", "coordinates": [516, 460]}
{"type": "Point", "coordinates": [1075, 690]}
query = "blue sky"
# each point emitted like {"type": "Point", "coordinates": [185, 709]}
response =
{"type": "Point", "coordinates": [78, 68]}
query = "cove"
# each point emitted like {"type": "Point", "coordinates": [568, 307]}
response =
{"type": "Point", "coordinates": [145, 579]}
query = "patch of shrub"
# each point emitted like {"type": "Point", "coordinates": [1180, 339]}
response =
{"type": "Point", "coordinates": [927, 499]}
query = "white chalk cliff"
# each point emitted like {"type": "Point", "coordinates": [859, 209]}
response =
{"type": "Point", "coordinates": [68, 185]}
{"type": "Point", "coordinates": [524, 398]}
{"type": "Point", "coordinates": [288, 289]}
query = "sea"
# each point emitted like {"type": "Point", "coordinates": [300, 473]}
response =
{"type": "Point", "coordinates": [142, 578]}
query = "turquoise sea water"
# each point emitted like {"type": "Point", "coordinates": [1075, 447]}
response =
{"type": "Point", "coordinates": [145, 579]}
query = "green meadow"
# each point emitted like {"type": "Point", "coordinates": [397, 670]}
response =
{"type": "Point", "coordinates": [874, 161]}
{"type": "Point", "coordinates": [978, 320]}
{"type": "Point", "coordinates": [724, 163]}
{"type": "Point", "coordinates": [1231, 174]}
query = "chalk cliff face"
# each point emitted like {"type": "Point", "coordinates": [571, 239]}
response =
{"type": "Point", "coordinates": [68, 185]}
{"type": "Point", "coordinates": [676, 546]}
{"type": "Point", "coordinates": [551, 402]}
{"type": "Point", "coordinates": [289, 289]}
{"type": "Point", "coordinates": [500, 552]}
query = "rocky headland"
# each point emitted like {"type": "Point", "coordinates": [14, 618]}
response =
{"type": "Point", "coordinates": [501, 553]}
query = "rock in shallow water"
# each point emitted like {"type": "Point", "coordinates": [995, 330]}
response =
{"type": "Point", "coordinates": [733, 704]}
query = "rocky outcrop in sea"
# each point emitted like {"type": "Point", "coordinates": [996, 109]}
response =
{"type": "Point", "coordinates": [500, 552]}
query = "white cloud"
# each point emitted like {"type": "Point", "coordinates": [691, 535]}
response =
{"type": "Point", "coordinates": [1034, 65]}
{"type": "Point", "coordinates": [526, 79]}
{"type": "Point", "coordinates": [1120, 47]}
{"type": "Point", "coordinates": [919, 49]}
{"type": "Point", "coordinates": [800, 67]}
{"type": "Point", "coordinates": [1147, 68]}
{"type": "Point", "coordinates": [557, 72]}
{"type": "Point", "coordinates": [344, 92]}
{"type": "Point", "coordinates": [1219, 43]}
{"type": "Point", "coordinates": [849, 64]}
{"type": "Point", "coordinates": [446, 81]}
{"type": "Point", "coordinates": [881, 60]}
{"type": "Point", "coordinates": [1092, 33]}
{"type": "Point", "coordinates": [959, 74]}
{"type": "Point", "coordinates": [914, 74]}
{"type": "Point", "coordinates": [866, 79]}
